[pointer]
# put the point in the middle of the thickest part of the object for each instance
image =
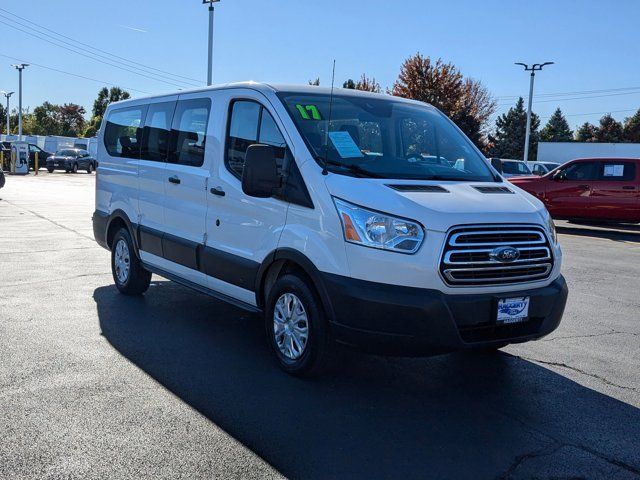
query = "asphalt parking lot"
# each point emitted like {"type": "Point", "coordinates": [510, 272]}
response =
{"type": "Point", "coordinates": [177, 385]}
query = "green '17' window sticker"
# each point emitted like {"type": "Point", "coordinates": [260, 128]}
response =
{"type": "Point", "coordinates": [308, 112]}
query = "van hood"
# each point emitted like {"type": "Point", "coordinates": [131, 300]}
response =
{"type": "Point", "coordinates": [462, 203]}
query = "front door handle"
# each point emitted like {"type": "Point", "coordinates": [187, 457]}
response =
{"type": "Point", "coordinates": [218, 191]}
{"type": "Point", "coordinates": [175, 180]}
{"type": "Point", "coordinates": [628, 187]}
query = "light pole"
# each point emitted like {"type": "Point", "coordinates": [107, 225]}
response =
{"type": "Point", "coordinates": [210, 66]}
{"type": "Point", "coordinates": [8, 95]}
{"type": "Point", "coordinates": [533, 69]}
{"type": "Point", "coordinates": [20, 67]}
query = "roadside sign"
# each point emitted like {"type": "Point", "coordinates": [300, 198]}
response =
{"type": "Point", "coordinates": [20, 154]}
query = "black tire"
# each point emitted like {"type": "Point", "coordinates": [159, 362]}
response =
{"type": "Point", "coordinates": [75, 168]}
{"type": "Point", "coordinates": [90, 169]}
{"type": "Point", "coordinates": [50, 170]}
{"type": "Point", "coordinates": [137, 281]}
{"type": "Point", "coordinates": [320, 352]}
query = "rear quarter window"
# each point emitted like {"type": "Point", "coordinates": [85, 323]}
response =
{"type": "Point", "coordinates": [123, 132]}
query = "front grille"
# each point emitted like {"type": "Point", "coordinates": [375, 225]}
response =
{"type": "Point", "coordinates": [469, 256]}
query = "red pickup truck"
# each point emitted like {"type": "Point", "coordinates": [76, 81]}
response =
{"type": "Point", "coordinates": [593, 188]}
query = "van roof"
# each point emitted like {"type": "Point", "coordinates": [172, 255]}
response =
{"type": "Point", "coordinates": [273, 87]}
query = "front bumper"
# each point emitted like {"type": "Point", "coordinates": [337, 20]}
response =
{"type": "Point", "coordinates": [62, 165]}
{"type": "Point", "coordinates": [396, 320]}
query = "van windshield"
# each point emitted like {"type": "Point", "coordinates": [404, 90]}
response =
{"type": "Point", "coordinates": [384, 138]}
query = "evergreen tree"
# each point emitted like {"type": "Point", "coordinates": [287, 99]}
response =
{"type": "Point", "coordinates": [3, 119]}
{"type": "Point", "coordinates": [350, 84]}
{"type": "Point", "coordinates": [508, 141]}
{"type": "Point", "coordinates": [610, 130]}
{"type": "Point", "coordinates": [315, 83]}
{"type": "Point", "coordinates": [107, 96]}
{"type": "Point", "coordinates": [631, 130]}
{"type": "Point", "coordinates": [586, 133]}
{"type": "Point", "coordinates": [557, 129]}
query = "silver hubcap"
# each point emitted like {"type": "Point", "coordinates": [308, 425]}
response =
{"type": "Point", "coordinates": [121, 261]}
{"type": "Point", "coordinates": [290, 326]}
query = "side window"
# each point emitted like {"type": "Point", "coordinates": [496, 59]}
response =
{"type": "Point", "coordinates": [157, 130]}
{"type": "Point", "coordinates": [582, 171]}
{"type": "Point", "coordinates": [189, 132]}
{"type": "Point", "coordinates": [621, 171]}
{"type": "Point", "coordinates": [123, 132]}
{"type": "Point", "coordinates": [243, 131]}
{"type": "Point", "coordinates": [251, 123]}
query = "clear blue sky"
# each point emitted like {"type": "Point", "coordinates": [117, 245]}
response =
{"type": "Point", "coordinates": [595, 45]}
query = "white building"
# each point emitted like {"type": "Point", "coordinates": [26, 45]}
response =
{"type": "Point", "coordinates": [561, 152]}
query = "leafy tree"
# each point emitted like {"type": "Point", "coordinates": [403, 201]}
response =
{"type": "Point", "coordinates": [631, 129]}
{"type": "Point", "coordinates": [557, 129]}
{"type": "Point", "coordinates": [610, 130]}
{"type": "Point", "coordinates": [315, 83]}
{"type": "Point", "coordinates": [509, 137]}
{"type": "Point", "coordinates": [72, 119]}
{"type": "Point", "coordinates": [46, 120]}
{"type": "Point", "coordinates": [105, 97]}
{"type": "Point", "coordinates": [466, 101]}
{"type": "Point", "coordinates": [365, 83]}
{"type": "Point", "coordinates": [3, 118]}
{"type": "Point", "coordinates": [586, 133]}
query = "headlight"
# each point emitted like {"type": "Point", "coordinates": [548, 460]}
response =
{"type": "Point", "coordinates": [378, 230]}
{"type": "Point", "coordinates": [551, 227]}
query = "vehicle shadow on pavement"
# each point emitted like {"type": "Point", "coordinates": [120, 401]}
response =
{"type": "Point", "coordinates": [453, 416]}
{"type": "Point", "coordinates": [624, 233]}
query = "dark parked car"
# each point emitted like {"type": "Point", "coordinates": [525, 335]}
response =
{"type": "Point", "coordinates": [71, 160]}
{"type": "Point", "coordinates": [5, 148]}
{"type": "Point", "coordinates": [42, 157]}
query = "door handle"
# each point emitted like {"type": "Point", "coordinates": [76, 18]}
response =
{"type": "Point", "coordinates": [175, 180]}
{"type": "Point", "coordinates": [218, 191]}
{"type": "Point", "coordinates": [628, 187]}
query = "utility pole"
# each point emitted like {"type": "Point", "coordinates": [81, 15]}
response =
{"type": "Point", "coordinates": [210, 59]}
{"type": "Point", "coordinates": [533, 69]}
{"type": "Point", "coordinates": [20, 67]}
{"type": "Point", "coordinates": [8, 95]}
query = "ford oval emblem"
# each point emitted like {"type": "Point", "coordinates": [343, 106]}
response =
{"type": "Point", "coordinates": [505, 254]}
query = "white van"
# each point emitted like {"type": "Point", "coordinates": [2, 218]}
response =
{"type": "Point", "coordinates": [354, 218]}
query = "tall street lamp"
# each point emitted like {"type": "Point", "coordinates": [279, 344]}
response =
{"type": "Point", "coordinates": [533, 69]}
{"type": "Point", "coordinates": [20, 67]}
{"type": "Point", "coordinates": [210, 60]}
{"type": "Point", "coordinates": [7, 96]}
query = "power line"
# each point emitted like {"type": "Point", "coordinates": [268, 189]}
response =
{"type": "Point", "coordinates": [73, 74]}
{"type": "Point", "coordinates": [92, 58]}
{"type": "Point", "coordinates": [134, 63]}
{"type": "Point", "coordinates": [559, 100]}
{"type": "Point", "coordinates": [582, 92]}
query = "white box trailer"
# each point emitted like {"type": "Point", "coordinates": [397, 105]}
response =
{"type": "Point", "coordinates": [92, 147]}
{"type": "Point", "coordinates": [562, 152]}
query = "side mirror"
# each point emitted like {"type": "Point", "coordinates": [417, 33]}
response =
{"type": "Point", "coordinates": [260, 174]}
{"type": "Point", "coordinates": [497, 164]}
{"type": "Point", "coordinates": [559, 176]}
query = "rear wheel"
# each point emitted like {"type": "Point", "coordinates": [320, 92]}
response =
{"type": "Point", "coordinates": [297, 329]}
{"type": "Point", "coordinates": [128, 273]}
{"type": "Point", "coordinates": [50, 170]}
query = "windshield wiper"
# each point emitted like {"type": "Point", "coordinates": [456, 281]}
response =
{"type": "Point", "coordinates": [363, 172]}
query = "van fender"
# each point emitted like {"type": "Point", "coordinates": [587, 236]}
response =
{"type": "Point", "coordinates": [120, 216]}
{"type": "Point", "coordinates": [288, 255]}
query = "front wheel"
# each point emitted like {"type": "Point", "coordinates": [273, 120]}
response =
{"type": "Point", "coordinates": [90, 169]}
{"type": "Point", "coordinates": [128, 273]}
{"type": "Point", "coordinates": [297, 329]}
{"type": "Point", "coordinates": [75, 168]}
{"type": "Point", "coordinates": [50, 170]}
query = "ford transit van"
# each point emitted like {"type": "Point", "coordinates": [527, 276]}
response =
{"type": "Point", "coordinates": [342, 217]}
